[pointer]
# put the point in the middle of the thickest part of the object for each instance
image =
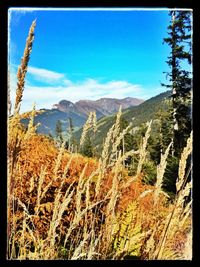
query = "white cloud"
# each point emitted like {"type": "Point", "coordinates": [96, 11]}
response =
{"type": "Point", "coordinates": [46, 96]}
{"type": "Point", "coordinates": [91, 89]}
{"type": "Point", "coordinates": [44, 74]}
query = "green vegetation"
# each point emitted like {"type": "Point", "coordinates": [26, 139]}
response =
{"type": "Point", "coordinates": [138, 115]}
{"type": "Point", "coordinates": [179, 76]}
{"type": "Point", "coordinates": [59, 130]}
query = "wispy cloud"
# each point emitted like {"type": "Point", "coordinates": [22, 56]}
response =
{"type": "Point", "coordinates": [91, 89]}
{"type": "Point", "coordinates": [45, 75]}
{"type": "Point", "coordinates": [46, 96]}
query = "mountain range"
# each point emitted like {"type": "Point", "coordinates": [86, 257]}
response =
{"type": "Point", "coordinates": [79, 111]}
{"type": "Point", "coordinates": [102, 106]}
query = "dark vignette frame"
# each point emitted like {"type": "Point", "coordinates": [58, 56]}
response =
{"type": "Point", "coordinates": [4, 6]}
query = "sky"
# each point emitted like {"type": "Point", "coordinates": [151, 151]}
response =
{"type": "Point", "coordinates": [89, 54]}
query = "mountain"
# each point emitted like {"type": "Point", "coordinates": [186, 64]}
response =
{"type": "Point", "coordinates": [66, 106]}
{"type": "Point", "coordinates": [78, 112]}
{"type": "Point", "coordinates": [49, 117]}
{"type": "Point", "coordinates": [102, 106]}
{"type": "Point", "coordinates": [141, 113]}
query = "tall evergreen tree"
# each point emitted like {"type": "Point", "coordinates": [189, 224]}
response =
{"type": "Point", "coordinates": [87, 148]}
{"type": "Point", "coordinates": [71, 132]}
{"type": "Point", "coordinates": [71, 126]}
{"type": "Point", "coordinates": [127, 142]}
{"type": "Point", "coordinates": [165, 128]}
{"type": "Point", "coordinates": [88, 136]}
{"type": "Point", "coordinates": [59, 131]}
{"type": "Point", "coordinates": [179, 76]}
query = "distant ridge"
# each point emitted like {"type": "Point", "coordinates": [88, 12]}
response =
{"type": "Point", "coordinates": [102, 106]}
{"type": "Point", "coordinates": [79, 111]}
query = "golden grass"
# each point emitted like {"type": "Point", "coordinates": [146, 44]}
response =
{"type": "Point", "coordinates": [90, 124]}
{"type": "Point", "coordinates": [62, 205]}
{"type": "Point", "coordinates": [24, 67]}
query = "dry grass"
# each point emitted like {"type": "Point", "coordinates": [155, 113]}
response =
{"type": "Point", "coordinates": [160, 174]}
{"type": "Point", "coordinates": [24, 67]}
{"type": "Point", "coordinates": [90, 124]}
{"type": "Point", "coordinates": [62, 205]}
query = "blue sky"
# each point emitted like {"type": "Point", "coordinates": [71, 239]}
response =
{"type": "Point", "coordinates": [89, 54]}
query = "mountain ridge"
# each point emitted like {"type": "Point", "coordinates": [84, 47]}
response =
{"type": "Point", "coordinates": [103, 106]}
{"type": "Point", "coordinates": [78, 112]}
{"type": "Point", "coordinates": [141, 113]}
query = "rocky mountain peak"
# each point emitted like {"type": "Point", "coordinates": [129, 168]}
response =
{"type": "Point", "coordinates": [64, 106]}
{"type": "Point", "coordinates": [103, 106]}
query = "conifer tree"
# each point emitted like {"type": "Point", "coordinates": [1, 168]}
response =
{"type": "Point", "coordinates": [71, 132]}
{"type": "Point", "coordinates": [59, 131]}
{"type": "Point", "coordinates": [179, 76]}
{"type": "Point", "coordinates": [88, 135]}
{"type": "Point", "coordinates": [87, 148]}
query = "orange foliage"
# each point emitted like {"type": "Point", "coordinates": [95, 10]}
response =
{"type": "Point", "coordinates": [39, 153]}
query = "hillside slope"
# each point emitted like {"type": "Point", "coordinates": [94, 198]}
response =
{"type": "Point", "coordinates": [142, 113]}
{"type": "Point", "coordinates": [49, 117]}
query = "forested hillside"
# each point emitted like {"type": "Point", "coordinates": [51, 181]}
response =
{"type": "Point", "coordinates": [138, 115]}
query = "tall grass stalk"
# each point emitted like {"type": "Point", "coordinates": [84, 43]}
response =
{"type": "Point", "coordinates": [21, 74]}
{"type": "Point", "coordinates": [109, 155]}
{"type": "Point", "coordinates": [179, 200]}
{"type": "Point", "coordinates": [160, 173]}
{"type": "Point", "coordinates": [143, 150]}
{"type": "Point", "coordinates": [89, 124]}
{"type": "Point", "coordinates": [182, 164]}
{"type": "Point", "coordinates": [142, 155]}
